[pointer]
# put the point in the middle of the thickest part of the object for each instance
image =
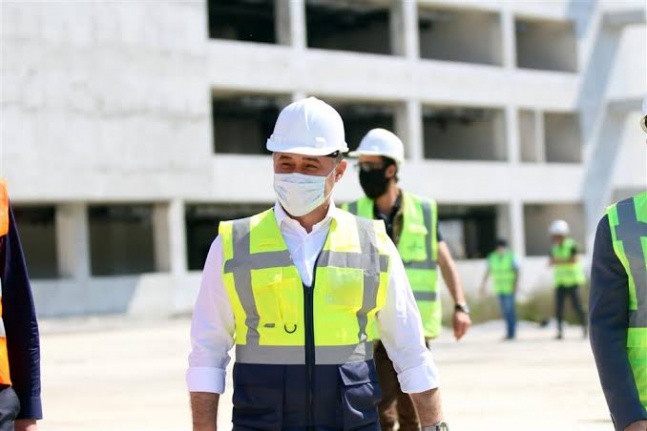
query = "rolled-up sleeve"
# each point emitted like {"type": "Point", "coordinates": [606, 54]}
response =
{"type": "Point", "coordinates": [212, 328]}
{"type": "Point", "coordinates": [609, 315]}
{"type": "Point", "coordinates": [401, 332]}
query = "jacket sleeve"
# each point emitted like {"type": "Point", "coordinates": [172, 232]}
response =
{"type": "Point", "coordinates": [21, 326]}
{"type": "Point", "coordinates": [609, 316]}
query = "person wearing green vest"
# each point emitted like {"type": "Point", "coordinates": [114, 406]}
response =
{"type": "Point", "coordinates": [502, 266]}
{"type": "Point", "coordinates": [412, 223]}
{"type": "Point", "coordinates": [302, 291]}
{"type": "Point", "coordinates": [618, 308]}
{"type": "Point", "coordinates": [568, 274]}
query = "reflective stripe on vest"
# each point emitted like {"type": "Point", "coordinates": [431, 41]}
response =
{"type": "Point", "coordinates": [418, 247]}
{"type": "Point", "coordinates": [5, 377]}
{"type": "Point", "coordinates": [267, 294]}
{"type": "Point", "coordinates": [628, 222]}
{"type": "Point", "coordinates": [502, 270]}
{"type": "Point", "coordinates": [567, 274]}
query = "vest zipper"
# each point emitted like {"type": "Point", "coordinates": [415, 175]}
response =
{"type": "Point", "coordinates": [308, 299]}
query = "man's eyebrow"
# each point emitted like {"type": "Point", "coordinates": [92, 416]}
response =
{"type": "Point", "coordinates": [312, 159]}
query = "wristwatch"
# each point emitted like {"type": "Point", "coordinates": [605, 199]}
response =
{"type": "Point", "coordinates": [462, 307]}
{"type": "Point", "coordinates": [441, 426]}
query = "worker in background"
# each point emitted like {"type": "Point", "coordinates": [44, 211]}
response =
{"type": "Point", "coordinates": [20, 404]}
{"type": "Point", "coordinates": [302, 290]}
{"type": "Point", "coordinates": [412, 223]}
{"type": "Point", "coordinates": [503, 267]}
{"type": "Point", "coordinates": [618, 308]}
{"type": "Point", "coordinates": [568, 274]}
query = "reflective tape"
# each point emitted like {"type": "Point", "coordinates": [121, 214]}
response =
{"type": "Point", "coordinates": [425, 296]}
{"type": "Point", "coordinates": [295, 355]}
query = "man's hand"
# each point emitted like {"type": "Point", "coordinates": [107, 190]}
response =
{"type": "Point", "coordinates": [25, 425]}
{"type": "Point", "coordinates": [637, 426]}
{"type": "Point", "coordinates": [461, 323]}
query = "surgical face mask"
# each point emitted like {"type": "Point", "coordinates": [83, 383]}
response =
{"type": "Point", "coordinates": [299, 194]}
{"type": "Point", "coordinates": [374, 182]}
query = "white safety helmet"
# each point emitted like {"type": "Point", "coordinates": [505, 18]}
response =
{"type": "Point", "coordinates": [559, 227]}
{"type": "Point", "coordinates": [380, 142]}
{"type": "Point", "coordinates": [643, 119]}
{"type": "Point", "coordinates": [310, 127]}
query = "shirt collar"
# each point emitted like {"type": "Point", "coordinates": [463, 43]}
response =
{"type": "Point", "coordinates": [283, 218]}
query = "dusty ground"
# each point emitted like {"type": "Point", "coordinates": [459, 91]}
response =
{"type": "Point", "coordinates": [113, 375]}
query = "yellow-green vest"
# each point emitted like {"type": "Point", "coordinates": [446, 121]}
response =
{"type": "Point", "coordinates": [278, 319]}
{"type": "Point", "coordinates": [418, 247]}
{"type": "Point", "coordinates": [628, 221]}
{"type": "Point", "coordinates": [567, 274]}
{"type": "Point", "coordinates": [503, 273]}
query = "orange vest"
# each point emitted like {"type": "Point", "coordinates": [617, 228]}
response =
{"type": "Point", "coordinates": [5, 378]}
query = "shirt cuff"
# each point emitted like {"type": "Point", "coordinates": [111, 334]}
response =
{"type": "Point", "coordinates": [30, 408]}
{"type": "Point", "coordinates": [419, 379]}
{"type": "Point", "coordinates": [205, 379]}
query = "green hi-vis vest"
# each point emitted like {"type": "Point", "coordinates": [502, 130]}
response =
{"type": "Point", "coordinates": [277, 318]}
{"type": "Point", "coordinates": [503, 273]}
{"type": "Point", "coordinates": [567, 274]}
{"type": "Point", "coordinates": [628, 221]}
{"type": "Point", "coordinates": [418, 247]}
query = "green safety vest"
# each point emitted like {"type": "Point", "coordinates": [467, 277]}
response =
{"type": "Point", "coordinates": [567, 274]}
{"type": "Point", "coordinates": [628, 221]}
{"type": "Point", "coordinates": [503, 272]}
{"type": "Point", "coordinates": [278, 318]}
{"type": "Point", "coordinates": [418, 247]}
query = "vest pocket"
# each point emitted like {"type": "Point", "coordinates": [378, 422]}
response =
{"type": "Point", "coordinates": [258, 397]}
{"type": "Point", "coordinates": [360, 394]}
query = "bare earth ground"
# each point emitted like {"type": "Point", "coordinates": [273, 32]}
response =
{"type": "Point", "coordinates": [110, 374]}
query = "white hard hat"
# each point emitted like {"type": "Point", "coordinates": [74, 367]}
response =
{"type": "Point", "coordinates": [643, 118]}
{"type": "Point", "coordinates": [559, 227]}
{"type": "Point", "coordinates": [380, 142]}
{"type": "Point", "coordinates": [310, 127]}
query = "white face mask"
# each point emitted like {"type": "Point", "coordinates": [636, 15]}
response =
{"type": "Point", "coordinates": [299, 194]}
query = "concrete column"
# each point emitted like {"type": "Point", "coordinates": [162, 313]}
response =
{"type": "Point", "coordinates": [512, 140]}
{"type": "Point", "coordinates": [540, 137]}
{"type": "Point", "coordinates": [73, 241]}
{"type": "Point", "coordinates": [408, 126]}
{"type": "Point", "coordinates": [290, 23]}
{"type": "Point", "coordinates": [509, 38]}
{"type": "Point", "coordinates": [503, 222]}
{"type": "Point", "coordinates": [169, 237]}
{"type": "Point", "coordinates": [404, 29]}
{"type": "Point", "coordinates": [517, 226]}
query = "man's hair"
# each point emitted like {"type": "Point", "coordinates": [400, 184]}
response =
{"type": "Point", "coordinates": [388, 161]}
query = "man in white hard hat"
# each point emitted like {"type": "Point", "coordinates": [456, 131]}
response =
{"type": "Point", "coordinates": [618, 308]}
{"type": "Point", "coordinates": [568, 274]}
{"type": "Point", "coordinates": [412, 223]}
{"type": "Point", "coordinates": [302, 290]}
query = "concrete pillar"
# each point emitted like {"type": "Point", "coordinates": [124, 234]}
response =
{"type": "Point", "coordinates": [290, 23]}
{"type": "Point", "coordinates": [517, 226]}
{"type": "Point", "coordinates": [169, 237]}
{"type": "Point", "coordinates": [73, 241]}
{"type": "Point", "coordinates": [408, 126]}
{"type": "Point", "coordinates": [511, 124]}
{"type": "Point", "coordinates": [504, 222]}
{"type": "Point", "coordinates": [509, 38]}
{"type": "Point", "coordinates": [404, 29]}
{"type": "Point", "coordinates": [540, 137]}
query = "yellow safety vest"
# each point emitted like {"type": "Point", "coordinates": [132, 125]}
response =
{"type": "Point", "coordinates": [418, 247]}
{"type": "Point", "coordinates": [503, 273]}
{"type": "Point", "coordinates": [278, 319]}
{"type": "Point", "coordinates": [567, 274]}
{"type": "Point", "coordinates": [628, 222]}
{"type": "Point", "coordinates": [5, 377]}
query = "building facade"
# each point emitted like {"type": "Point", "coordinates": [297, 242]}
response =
{"type": "Point", "coordinates": [130, 129]}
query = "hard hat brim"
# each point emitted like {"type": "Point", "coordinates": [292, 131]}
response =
{"type": "Point", "coordinates": [304, 150]}
{"type": "Point", "coordinates": [357, 153]}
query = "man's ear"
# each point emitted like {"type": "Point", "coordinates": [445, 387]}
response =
{"type": "Point", "coordinates": [341, 168]}
{"type": "Point", "coordinates": [390, 172]}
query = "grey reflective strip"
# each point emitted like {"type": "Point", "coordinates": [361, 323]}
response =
{"type": "Point", "coordinates": [430, 263]}
{"type": "Point", "coordinates": [3, 334]}
{"type": "Point", "coordinates": [295, 355]}
{"type": "Point", "coordinates": [425, 296]}
{"type": "Point", "coordinates": [352, 207]}
{"type": "Point", "coordinates": [364, 261]}
{"type": "Point", "coordinates": [629, 231]}
{"type": "Point", "coordinates": [241, 266]}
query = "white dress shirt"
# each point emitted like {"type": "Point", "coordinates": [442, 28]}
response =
{"type": "Point", "coordinates": [213, 327]}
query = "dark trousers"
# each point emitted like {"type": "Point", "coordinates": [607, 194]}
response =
{"type": "Point", "coordinates": [506, 301]}
{"type": "Point", "coordinates": [9, 408]}
{"type": "Point", "coordinates": [395, 405]}
{"type": "Point", "coordinates": [573, 293]}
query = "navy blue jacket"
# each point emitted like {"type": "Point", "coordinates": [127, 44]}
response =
{"type": "Point", "coordinates": [19, 317]}
{"type": "Point", "coordinates": [609, 317]}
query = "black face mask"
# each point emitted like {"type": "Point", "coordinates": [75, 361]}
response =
{"type": "Point", "coordinates": [374, 182]}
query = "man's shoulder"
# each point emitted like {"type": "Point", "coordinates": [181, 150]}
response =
{"type": "Point", "coordinates": [417, 198]}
